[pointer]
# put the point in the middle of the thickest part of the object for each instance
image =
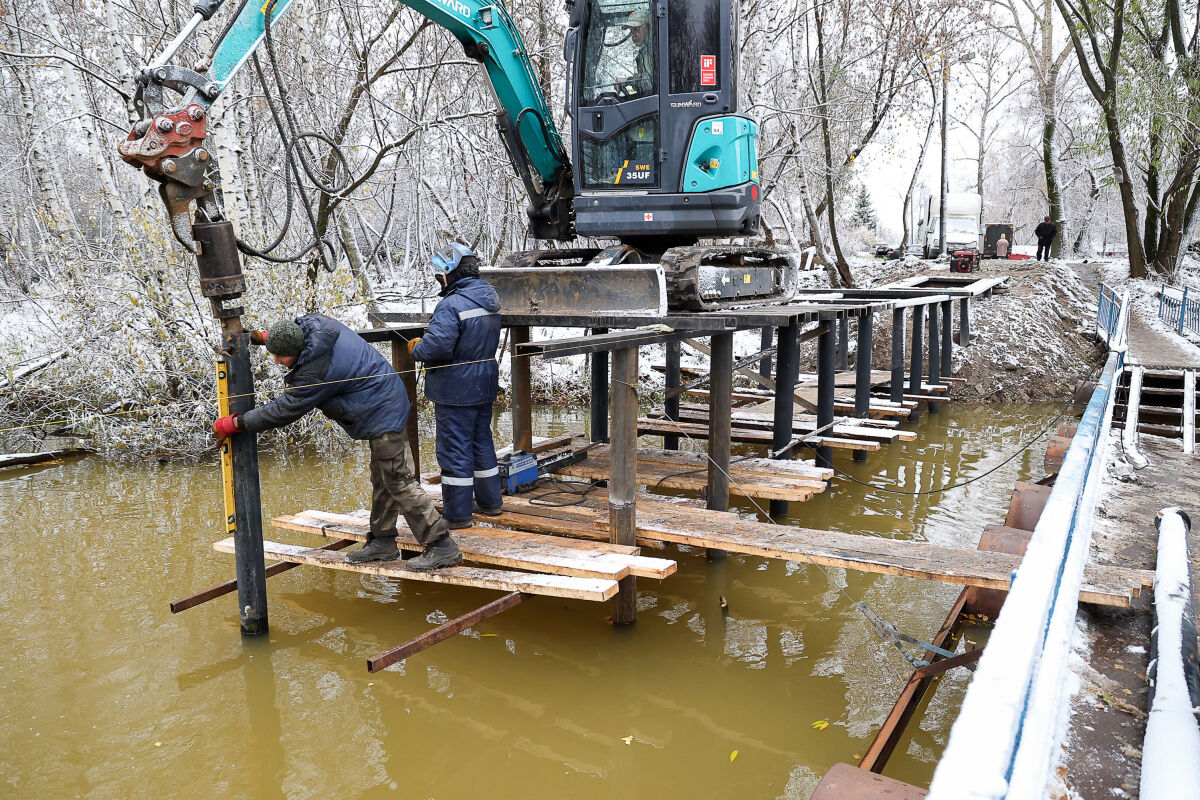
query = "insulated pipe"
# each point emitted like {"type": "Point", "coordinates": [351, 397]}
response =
{"type": "Point", "coordinates": [671, 406]}
{"type": "Point", "coordinates": [599, 425]}
{"type": "Point", "coordinates": [1171, 749]}
{"type": "Point", "coordinates": [862, 368]}
{"type": "Point", "coordinates": [786, 367]}
{"type": "Point", "coordinates": [896, 386]}
{"type": "Point", "coordinates": [916, 358]}
{"type": "Point", "coordinates": [935, 353]}
{"type": "Point", "coordinates": [826, 375]}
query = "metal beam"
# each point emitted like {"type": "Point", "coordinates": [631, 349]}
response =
{"type": "Point", "coordinates": [862, 378]}
{"type": "Point", "coordinates": [947, 338]}
{"type": "Point", "coordinates": [614, 340]}
{"type": "Point", "coordinates": [622, 486]}
{"type": "Point", "coordinates": [444, 631]}
{"type": "Point", "coordinates": [964, 322]}
{"type": "Point", "coordinates": [916, 358]}
{"type": "Point", "coordinates": [720, 411]}
{"type": "Point", "coordinates": [522, 391]}
{"type": "Point", "coordinates": [671, 404]}
{"type": "Point", "coordinates": [826, 376]}
{"type": "Point", "coordinates": [897, 382]}
{"type": "Point", "coordinates": [786, 367]}
{"type": "Point", "coordinates": [843, 344]}
{"type": "Point", "coordinates": [599, 415]}
{"type": "Point", "coordinates": [248, 539]}
{"type": "Point", "coordinates": [935, 352]}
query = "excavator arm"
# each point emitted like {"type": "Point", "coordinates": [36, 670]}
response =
{"type": "Point", "coordinates": [169, 141]}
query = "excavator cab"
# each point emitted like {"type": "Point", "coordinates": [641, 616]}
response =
{"type": "Point", "coordinates": [659, 151]}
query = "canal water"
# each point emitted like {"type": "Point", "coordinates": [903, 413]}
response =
{"type": "Point", "coordinates": [105, 694]}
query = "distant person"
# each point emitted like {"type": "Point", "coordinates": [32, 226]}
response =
{"type": "Point", "coordinates": [1002, 246]}
{"type": "Point", "coordinates": [1045, 234]}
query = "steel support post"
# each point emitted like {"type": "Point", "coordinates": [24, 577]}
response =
{"type": "Point", "coordinates": [720, 425]}
{"type": "Point", "coordinates": [935, 353]}
{"type": "Point", "coordinates": [964, 322]}
{"type": "Point", "coordinates": [247, 539]}
{"type": "Point", "coordinates": [406, 368]}
{"type": "Point", "coordinates": [843, 344]}
{"type": "Point", "coordinates": [916, 358]}
{"type": "Point", "coordinates": [947, 338]}
{"type": "Point", "coordinates": [522, 391]}
{"type": "Point", "coordinates": [764, 343]}
{"type": "Point", "coordinates": [896, 385]}
{"type": "Point", "coordinates": [600, 392]}
{"type": "Point", "coordinates": [671, 406]}
{"type": "Point", "coordinates": [826, 376]}
{"type": "Point", "coordinates": [862, 369]}
{"type": "Point", "coordinates": [622, 485]}
{"type": "Point", "coordinates": [786, 367]}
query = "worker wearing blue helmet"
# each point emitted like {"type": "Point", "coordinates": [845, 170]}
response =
{"type": "Point", "coordinates": [462, 379]}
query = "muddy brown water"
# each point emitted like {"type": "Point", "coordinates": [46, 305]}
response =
{"type": "Point", "coordinates": [105, 694]}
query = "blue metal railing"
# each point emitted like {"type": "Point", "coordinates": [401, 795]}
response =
{"type": "Point", "coordinates": [1108, 314]}
{"type": "Point", "coordinates": [1179, 307]}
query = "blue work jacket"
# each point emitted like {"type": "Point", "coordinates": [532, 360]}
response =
{"type": "Point", "coordinates": [459, 348]}
{"type": "Point", "coordinates": [341, 374]}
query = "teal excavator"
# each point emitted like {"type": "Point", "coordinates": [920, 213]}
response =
{"type": "Point", "coordinates": [660, 159]}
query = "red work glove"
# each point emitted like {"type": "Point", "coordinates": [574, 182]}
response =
{"type": "Point", "coordinates": [227, 426]}
{"type": "Point", "coordinates": [258, 337]}
{"type": "Point", "coordinates": [412, 343]}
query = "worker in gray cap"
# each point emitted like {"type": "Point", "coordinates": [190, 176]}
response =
{"type": "Point", "coordinates": [332, 368]}
{"type": "Point", "coordinates": [642, 80]}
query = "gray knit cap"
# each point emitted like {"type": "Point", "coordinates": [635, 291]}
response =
{"type": "Point", "coordinates": [285, 338]}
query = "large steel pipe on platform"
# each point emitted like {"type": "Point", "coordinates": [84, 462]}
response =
{"type": "Point", "coordinates": [916, 359]}
{"type": "Point", "coordinates": [522, 391]}
{"type": "Point", "coordinates": [599, 426]}
{"type": "Point", "coordinates": [671, 405]}
{"type": "Point", "coordinates": [826, 376]}
{"type": "Point", "coordinates": [720, 426]}
{"type": "Point", "coordinates": [862, 369]}
{"type": "Point", "coordinates": [622, 487]}
{"type": "Point", "coordinates": [787, 365]}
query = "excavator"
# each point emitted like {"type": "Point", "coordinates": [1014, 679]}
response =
{"type": "Point", "coordinates": [660, 159]}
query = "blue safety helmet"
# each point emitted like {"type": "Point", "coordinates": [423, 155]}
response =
{"type": "Point", "coordinates": [447, 259]}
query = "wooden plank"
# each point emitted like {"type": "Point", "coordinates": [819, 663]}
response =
{"type": "Point", "coordinates": [852, 428]}
{"type": "Point", "coordinates": [444, 631]}
{"type": "Point", "coordinates": [844, 782]}
{"type": "Point", "coordinates": [499, 546]}
{"type": "Point", "coordinates": [595, 589]}
{"type": "Point", "coordinates": [655, 427]}
{"type": "Point", "coordinates": [924, 398]}
{"type": "Point", "coordinates": [1189, 411]}
{"type": "Point", "coordinates": [664, 476]}
{"type": "Point", "coordinates": [797, 468]}
{"type": "Point", "coordinates": [701, 528]}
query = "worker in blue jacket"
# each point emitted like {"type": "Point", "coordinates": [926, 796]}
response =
{"type": "Point", "coordinates": [332, 368]}
{"type": "Point", "coordinates": [462, 380]}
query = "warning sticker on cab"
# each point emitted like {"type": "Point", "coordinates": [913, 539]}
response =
{"type": "Point", "coordinates": [708, 70]}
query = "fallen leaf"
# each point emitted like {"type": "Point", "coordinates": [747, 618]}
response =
{"type": "Point", "coordinates": [627, 739]}
{"type": "Point", "coordinates": [732, 756]}
{"type": "Point", "coordinates": [821, 724]}
{"type": "Point", "coordinates": [158, 744]}
{"type": "Point", "coordinates": [1118, 665]}
{"type": "Point", "coordinates": [485, 635]}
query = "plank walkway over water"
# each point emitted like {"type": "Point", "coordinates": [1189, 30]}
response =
{"type": "Point", "coordinates": [655, 426]}
{"type": "Point", "coordinates": [501, 547]}
{"type": "Point", "coordinates": [678, 524]}
{"type": "Point", "coordinates": [675, 469]}
{"type": "Point", "coordinates": [596, 589]}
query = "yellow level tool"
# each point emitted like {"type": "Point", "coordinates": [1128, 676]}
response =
{"type": "Point", "coordinates": [226, 449]}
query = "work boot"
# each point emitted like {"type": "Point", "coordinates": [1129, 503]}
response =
{"type": "Point", "coordinates": [488, 512]}
{"type": "Point", "coordinates": [441, 553]}
{"type": "Point", "coordinates": [459, 524]}
{"type": "Point", "coordinates": [376, 549]}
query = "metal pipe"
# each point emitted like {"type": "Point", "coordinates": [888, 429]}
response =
{"type": "Point", "coordinates": [826, 375]}
{"type": "Point", "coordinates": [916, 358]}
{"type": "Point", "coordinates": [947, 338]}
{"type": "Point", "coordinates": [896, 386]}
{"type": "Point", "coordinates": [174, 45]}
{"type": "Point", "coordinates": [786, 367]}
{"type": "Point", "coordinates": [862, 368]}
{"type": "Point", "coordinates": [720, 426]}
{"type": "Point", "coordinates": [935, 353]}
{"type": "Point", "coordinates": [764, 343]}
{"type": "Point", "coordinates": [964, 322]}
{"type": "Point", "coordinates": [843, 344]}
{"type": "Point", "coordinates": [671, 405]}
{"type": "Point", "coordinates": [444, 631]}
{"type": "Point", "coordinates": [622, 486]}
{"type": "Point", "coordinates": [600, 392]}
{"type": "Point", "coordinates": [248, 540]}
{"type": "Point", "coordinates": [522, 391]}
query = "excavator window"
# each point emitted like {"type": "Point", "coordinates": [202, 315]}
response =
{"type": "Point", "coordinates": [694, 45]}
{"type": "Point", "coordinates": [619, 61]}
{"type": "Point", "coordinates": [627, 158]}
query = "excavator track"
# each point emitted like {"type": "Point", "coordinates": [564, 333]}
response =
{"type": "Point", "coordinates": [624, 280]}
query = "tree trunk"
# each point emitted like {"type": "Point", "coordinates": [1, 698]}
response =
{"type": "Point", "coordinates": [1137, 256]}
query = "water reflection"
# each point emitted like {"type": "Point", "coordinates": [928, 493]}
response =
{"type": "Point", "coordinates": [545, 700]}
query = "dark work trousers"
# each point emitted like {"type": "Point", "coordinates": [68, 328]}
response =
{"type": "Point", "coordinates": [1043, 251]}
{"type": "Point", "coordinates": [467, 456]}
{"type": "Point", "coordinates": [395, 491]}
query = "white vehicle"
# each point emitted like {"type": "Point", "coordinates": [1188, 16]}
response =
{"type": "Point", "coordinates": [964, 223]}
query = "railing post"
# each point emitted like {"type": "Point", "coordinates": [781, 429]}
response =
{"type": "Point", "coordinates": [1182, 308]}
